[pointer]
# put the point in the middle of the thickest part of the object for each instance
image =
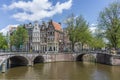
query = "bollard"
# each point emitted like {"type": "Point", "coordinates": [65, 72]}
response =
{"type": "Point", "coordinates": [3, 68]}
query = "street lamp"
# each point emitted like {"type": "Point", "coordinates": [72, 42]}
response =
{"type": "Point", "coordinates": [60, 45]}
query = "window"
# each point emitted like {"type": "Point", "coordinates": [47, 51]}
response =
{"type": "Point", "coordinates": [54, 48]}
{"type": "Point", "coordinates": [50, 49]}
{"type": "Point", "coordinates": [50, 33]}
{"type": "Point", "coordinates": [53, 33]}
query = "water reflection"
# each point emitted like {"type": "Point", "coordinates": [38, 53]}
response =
{"type": "Point", "coordinates": [14, 73]}
{"type": "Point", "coordinates": [64, 71]}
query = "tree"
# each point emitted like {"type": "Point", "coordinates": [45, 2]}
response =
{"type": "Point", "coordinates": [84, 33]}
{"type": "Point", "coordinates": [97, 43]}
{"type": "Point", "coordinates": [98, 39]}
{"type": "Point", "coordinates": [71, 30]}
{"type": "Point", "coordinates": [78, 30]}
{"type": "Point", "coordinates": [19, 37]}
{"type": "Point", "coordinates": [109, 21]}
{"type": "Point", "coordinates": [3, 42]}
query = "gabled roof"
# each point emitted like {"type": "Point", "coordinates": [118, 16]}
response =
{"type": "Point", "coordinates": [57, 26]}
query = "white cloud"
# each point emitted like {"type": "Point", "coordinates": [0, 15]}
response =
{"type": "Point", "coordinates": [37, 9]}
{"type": "Point", "coordinates": [93, 27]}
{"type": "Point", "coordinates": [6, 29]}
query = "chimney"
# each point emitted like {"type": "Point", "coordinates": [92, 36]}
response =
{"type": "Point", "coordinates": [60, 23]}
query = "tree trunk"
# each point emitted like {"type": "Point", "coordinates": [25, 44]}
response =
{"type": "Point", "coordinates": [73, 46]}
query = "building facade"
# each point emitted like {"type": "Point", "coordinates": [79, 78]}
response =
{"type": "Point", "coordinates": [55, 37]}
{"type": "Point", "coordinates": [47, 37]}
{"type": "Point", "coordinates": [36, 37]}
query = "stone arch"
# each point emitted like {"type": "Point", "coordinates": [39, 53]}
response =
{"type": "Point", "coordinates": [86, 57]}
{"type": "Point", "coordinates": [80, 57]}
{"type": "Point", "coordinates": [15, 61]}
{"type": "Point", "coordinates": [38, 59]}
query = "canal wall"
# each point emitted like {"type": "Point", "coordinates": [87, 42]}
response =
{"type": "Point", "coordinates": [108, 59]}
{"type": "Point", "coordinates": [59, 57]}
{"type": "Point", "coordinates": [102, 58]}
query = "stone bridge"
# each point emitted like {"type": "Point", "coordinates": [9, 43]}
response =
{"type": "Point", "coordinates": [29, 59]}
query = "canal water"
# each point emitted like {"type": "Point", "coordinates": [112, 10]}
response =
{"type": "Point", "coordinates": [63, 71]}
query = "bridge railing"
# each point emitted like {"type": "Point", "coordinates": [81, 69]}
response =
{"type": "Point", "coordinates": [90, 52]}
{"type": "Point", "coordinates": [80, 52]}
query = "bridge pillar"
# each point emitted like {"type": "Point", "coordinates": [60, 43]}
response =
{"type": "Point", "coordinates": [30, 63]}
{"type": "Point", "coordinates": [3, 67]}
{"type": "Point", "coordinates": [8, 63]}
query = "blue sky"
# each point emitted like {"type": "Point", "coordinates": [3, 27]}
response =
{"type": "Point", "coordinates": [11, 13]}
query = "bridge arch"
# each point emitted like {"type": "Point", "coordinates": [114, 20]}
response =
{"type": "Point", "coordinates": [80, 57]}
{"type": "Point", "coordinates": [85, 57]}
{"type": "Point", "coordinates": [38, 59]}
{"type": "Point", "coordinates": [15, 61]}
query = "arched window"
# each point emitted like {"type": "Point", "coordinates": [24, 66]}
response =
{"type": "Point", "coordinates": [50, 49]}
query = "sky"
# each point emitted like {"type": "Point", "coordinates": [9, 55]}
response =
{"type": "Point", "coordinates": [14, 12]}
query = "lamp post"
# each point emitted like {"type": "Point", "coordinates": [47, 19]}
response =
{"type": "Point", "coordinates": [60, 45]}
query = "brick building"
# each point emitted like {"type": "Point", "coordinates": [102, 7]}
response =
{"type": "Point", "coordinates": [47, 37]}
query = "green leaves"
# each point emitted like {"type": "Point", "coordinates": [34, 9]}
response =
{"type": "Point", "coordinates": [3, 42]}
{"type": "Point", "coordinates": [109, 20]}
{"type": "Point", "coordinates": [19, 37]}
{"type": "Point", "coordinates": [78, 30]}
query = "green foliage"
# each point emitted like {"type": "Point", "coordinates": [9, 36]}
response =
{"type": "Point", "coordinates": [78, 30]}
{"type": "Point", "coordinates": [97, 43]}
{"type": "Point", "coordinates": [109, 21]}
{"type": "Point", "coordinates": [19, 37]}
{"type": "Point", "coordinates": [97, 39]}
{"type": "Point", "coordinates": [3, 42]}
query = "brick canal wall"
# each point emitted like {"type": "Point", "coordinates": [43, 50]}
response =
{"type": "Point", "coordinates": [59, 57]}
{"type": "Point", "coordinates": [103, 58]}
{"type": "Point", "coordinates": [108, 59]}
